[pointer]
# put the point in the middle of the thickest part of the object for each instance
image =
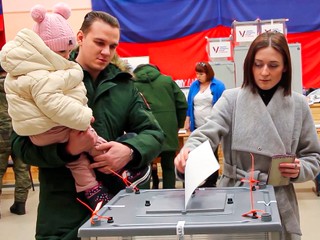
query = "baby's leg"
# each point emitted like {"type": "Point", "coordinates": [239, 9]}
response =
{"type": "Point", "coordinates": [85, 181]}
{"type": "Point", "coordinates": [93, 152]}
{"type": "Point", "coordinates": [58, 134]}
{"type": "Point", "coordinates": [84, 177]}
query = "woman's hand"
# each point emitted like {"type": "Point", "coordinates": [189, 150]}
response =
{"type": "Point", "coordinates": [181, 159]}
{"type": "Point", "coordinates": [290, 170]}
{"type": "Point", "coordinates": [187, 124]}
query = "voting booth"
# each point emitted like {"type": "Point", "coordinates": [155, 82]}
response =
{"type": "Point", "coordinates": [240, 53]}
{"type": "Point", "coordinates": [211, 213]}
{"type": "Point", "coordinates": [220, 53]}
{"type": "Point", "coordinates": [245, 32]}
{"type": "Point", "coordinates": [227, 54]}
{"type": "Point", "coordinates": [219, 49]}
{"type": "Point", "coordinates": [225, 72]}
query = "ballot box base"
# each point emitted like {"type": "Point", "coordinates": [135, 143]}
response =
{"type": "Point", "coordinates": [212, 213]}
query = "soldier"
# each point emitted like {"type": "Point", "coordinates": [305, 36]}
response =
{"type": "Point", "coordinates": [22, 179]}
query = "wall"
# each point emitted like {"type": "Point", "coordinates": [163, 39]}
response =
{"type": "Point", "coordinates": [17, 13]}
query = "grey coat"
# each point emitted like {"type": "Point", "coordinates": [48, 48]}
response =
{"type": "Point", "coordinates": [245, 125]}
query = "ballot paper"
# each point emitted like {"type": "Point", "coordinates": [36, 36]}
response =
{"type": "Point", "coordinates": [200, 165]}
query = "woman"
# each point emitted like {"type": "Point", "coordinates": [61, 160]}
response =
{"type": "Point", "coordinates": [203, 94]}
{"type": "Point", "coordinates": [265, 118]}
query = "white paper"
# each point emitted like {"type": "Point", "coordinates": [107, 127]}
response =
{"type": "Point", "coordinates": [182, 131]}
{"type": "Point", "coordinates": [200, 165]}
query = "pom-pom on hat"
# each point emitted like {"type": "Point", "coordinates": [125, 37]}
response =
{"type": "Point", "coordinates": [53, 28]}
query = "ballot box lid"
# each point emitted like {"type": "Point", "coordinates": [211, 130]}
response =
{"type": "Point", "coordinates": [209, 211]}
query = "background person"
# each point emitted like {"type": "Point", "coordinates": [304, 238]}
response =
{"type": "Point", "coordinates": [203, 94]}
{"type": "Point", "coordinates": [20, 169]}
{"type": "Point", "coordinates": [168, 104]}
{"type": "Point", "coordinates": [266, 118]}
{"type": "Point", "coordinates": [117, 108]}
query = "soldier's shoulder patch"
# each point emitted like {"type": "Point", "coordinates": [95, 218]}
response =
{"type": "Point", "coordinates": [145, 101]}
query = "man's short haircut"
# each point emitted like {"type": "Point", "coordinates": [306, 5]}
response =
{"type": "Point", "coordinates": [93, 16]}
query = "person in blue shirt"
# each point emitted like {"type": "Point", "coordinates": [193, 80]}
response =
{"type": "Point", "coordinates": [203, 94]}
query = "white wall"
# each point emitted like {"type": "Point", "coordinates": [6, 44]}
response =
{"type": "Point", "coordinates": [16, 13]}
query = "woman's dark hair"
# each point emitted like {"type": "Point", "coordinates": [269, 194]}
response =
{"type": "Point", "coordinates": [277, 41]}
{"type": "Point", "coordinates": [93, 16]}
{"type": "Point", "coordinates": [205, 67]}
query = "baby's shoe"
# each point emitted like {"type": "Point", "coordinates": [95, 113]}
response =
{"type": "Point", "coordinates": [137, 176]}
{"type": "Point", "coordinates": [97, 194]}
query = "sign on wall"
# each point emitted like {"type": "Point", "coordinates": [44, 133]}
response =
{"type": "Point", "coordinates": [246, 33]}
{"type": "Point", "coordinates": [220, 49]}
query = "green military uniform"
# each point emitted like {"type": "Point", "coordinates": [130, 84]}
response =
{"type": "Point", "coordinates": [117, 108]}
{"type": "Point", "coordinates": [169, 106]}
{"type": "Point", "coordinates": [22, 178]}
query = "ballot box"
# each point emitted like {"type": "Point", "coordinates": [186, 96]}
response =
{"type": "Point", "coordinates": [211, 213]}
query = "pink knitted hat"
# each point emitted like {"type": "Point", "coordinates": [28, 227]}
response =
{"type": "Point", "coordinates": [53, 27]}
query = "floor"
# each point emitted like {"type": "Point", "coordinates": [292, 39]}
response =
{"type": "Point", "coordinates": [16, 227]}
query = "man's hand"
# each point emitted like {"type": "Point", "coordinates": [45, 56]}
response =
{"type": "Point", "coordinates": [115, 157]}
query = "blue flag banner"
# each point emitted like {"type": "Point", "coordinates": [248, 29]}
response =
{"type": "Point", "coordinates": [172, 32]}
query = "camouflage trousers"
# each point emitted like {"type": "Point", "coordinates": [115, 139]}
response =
{"type": "Point", "coordinates": [21, 174]}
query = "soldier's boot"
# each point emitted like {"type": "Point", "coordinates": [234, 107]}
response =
{"type": "Point", "coordinates": [18, 208]}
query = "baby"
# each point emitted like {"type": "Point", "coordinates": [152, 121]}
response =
{"type": "Point", "coordinates": [45, 93]}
